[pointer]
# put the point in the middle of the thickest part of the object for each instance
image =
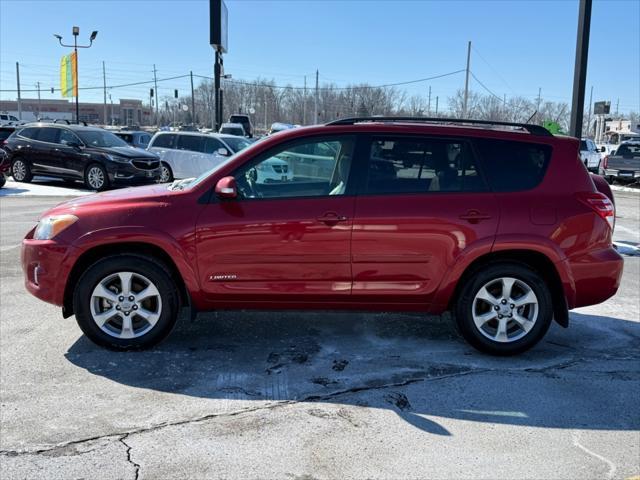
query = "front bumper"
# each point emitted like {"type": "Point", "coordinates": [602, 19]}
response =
{"type": "Point", "coordinates": [46, 267]}
{"type": "Point", "coordinates": [623, 174]}
{"type": "Point", "coordinates": [127, 173]}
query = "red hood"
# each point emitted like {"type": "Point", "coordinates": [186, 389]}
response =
{"type": "Point", "coordinates": [133, 196]}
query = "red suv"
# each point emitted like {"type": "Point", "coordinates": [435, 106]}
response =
{"type": "Point", "coordinates": [499, 223]}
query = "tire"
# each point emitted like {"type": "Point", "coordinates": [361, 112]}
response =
{"type": "Point", "coordinates": [166, 175]}
{"type": "Point", "coordinates": [515, 338]}
{"type": "Point", "coordinates": [104, 280]}
{"type": "Point", "coordinates": [3, 180]}
{"type": "Point", "coordinates": [96, 178]}
{"type": "Point", "coordinates": [21, 171]}
{"type": "Point", "coordinates": [610, 179]}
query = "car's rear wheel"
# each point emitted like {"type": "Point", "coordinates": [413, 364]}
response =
{"type": "Point", "coordinates": [20, 171]}
{"type": "Point", "coordinates": [126, 302]}
{"type": "Point", "coordinates": [3, 180]}
{"type": "Point", "coordinates": [166, 175]}
{"type": "Point", "coordinates": [504, 309]}
{"type": "Point", "coordinates": [96, 178]}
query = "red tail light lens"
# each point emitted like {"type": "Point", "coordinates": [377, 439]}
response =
{"type": "Point", "coordinates": [605, 162]}
{"type": "Point", "coordinates": [601, 204]}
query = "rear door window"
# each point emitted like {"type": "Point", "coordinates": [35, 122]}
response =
{"type": "Point", "coordinates": [28, 133]}
{"type": "Point", "coordinates": [192, 143]}
{"type": "Point", "coordinates": [49, 135]}
{"type": "Point", "coordinates": [212, 145]}
{"type": "Point", "coordinates": [513, 166]}
{"type": "Point", "coordinates": [166, 140]}
{"type": "Point", "coordinates": [421, 165]}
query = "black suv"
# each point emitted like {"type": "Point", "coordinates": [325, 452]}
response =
{"type": "Point", "coordinates": [243, 120]}
{"type": "Point", "coordinates": [72, 152]}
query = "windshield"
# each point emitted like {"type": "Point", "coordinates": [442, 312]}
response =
{"type": "Point", "coordinates": [232, 130]}
{"type": "Point", "coordinates": [100, 138]}
{"type": "Point", "coordinates": [237, 144]}
{"type": "Point", "coordinates": [628, 150]}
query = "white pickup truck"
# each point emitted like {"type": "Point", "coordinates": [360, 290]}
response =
{"type": "Point", "coordinates": [590, 155]}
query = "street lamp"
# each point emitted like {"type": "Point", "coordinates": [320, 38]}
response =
{"type": "Point", "coordinates": [76, 31]}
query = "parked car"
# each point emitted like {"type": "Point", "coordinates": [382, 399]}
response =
{"type": "Point", "coordinates": [189, 154]}
{"type": "Point", "coordinates": [497, 223]}
{"type": "Point", "coordinates": [233, 129]}
{"type": "Point", "coordinates": [73, 152]}
{"type": "Point", "coordinates": [5, 118]}
{"type": "Point", "coordinates": [279, 127]}
{"type": "Point", "coordinates": [5, 167]}
{"type": "Point", "coordinates": [590, 155]}
{"type": "Point", "coordinates": [623, 164]}
{"type": "Point", "coordinates": [243, 120]}
{"type": "Point", "coordinates": [138, 139]}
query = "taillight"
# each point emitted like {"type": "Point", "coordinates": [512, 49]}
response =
{"type": "Point", "coordinates": [605, 162]}
{"type": "Point", "coordinates": [601, 204]}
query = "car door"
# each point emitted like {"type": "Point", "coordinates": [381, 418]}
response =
{"type": "Point", "coordinates": [285, 241]}
{"type": "Point", "coordinates": [70, 155]}
{"type": "Point", "coordinates": [422, 203]}
{"type": "Point", "coordinates": [189, 155]}
{"type": "Point", "coordinates": [211, 157]}
{"type": "Point", "coordinates": [43, 156]}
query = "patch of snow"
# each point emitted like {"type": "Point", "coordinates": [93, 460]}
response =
{"type": "Point", "coordinates": [620, 188]}
{"type": "Point", "coordinates": [42, 187]}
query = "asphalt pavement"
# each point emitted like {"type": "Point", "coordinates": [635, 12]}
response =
{"type": "Point", "coordinates": [316, 395]}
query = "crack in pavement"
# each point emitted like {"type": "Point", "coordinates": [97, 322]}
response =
{"type": "Point", "coordinates": [136, 466]}
{"type": "Point", "coordinates": [122, 436]}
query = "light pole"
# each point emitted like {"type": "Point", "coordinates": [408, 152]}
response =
{"type": "Point", "coordinates": [75, 46]}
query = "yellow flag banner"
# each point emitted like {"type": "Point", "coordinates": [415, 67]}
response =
{"type": "Point", "coordinates": [68, 76]}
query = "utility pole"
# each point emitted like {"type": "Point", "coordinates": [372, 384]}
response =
{"type": "Point", "coordinates": [538, 104]}
{"type": "Point", "coordinates": [617, 105]}
{"type": "Point", "coordinates": [304, 103]}
{"type": "Point", "coordinates": [39, 103]}
{"type": "Point", "coordinates": [590, 104]}
{"type": "Point", "coordinates": [19, 99]}
{"type": "Point", "coordinates": [315, 102]}
{"type": "Point", "coordinates": [155, 92]}
{"type": "Point", "coordinates": [429, 103]}
{"type": "Point", "coordinates": [104, 92]}
{"type": "Point", "coordinates": [466, 83]}
{"type": "Point", "coordinates": [580, 72]}
{"type": "Point", "coordinates": [193, 102]}
{"type": "Point", "coordinates": [437, 105]}
{"type": "Point", "coordinates": [504, 106]}
{"type": "Point", "coordinates": [264, 93]}
{"type": "Point", "coordinates": [216, 85]}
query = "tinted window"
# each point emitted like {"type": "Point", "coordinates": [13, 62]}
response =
{"type": "Point", "coordinates": [628, 150]}
{"type": "Point", "coordinates": [583, 145]}
{"type": "Point", "coordinates": [212, 144]}
{"type": "Point", "coordinates": [66, 137]}
{"type": "Point", "coordinates": [304, 169]}
{"type": "Point", "coordinates": [420, 165]}
{"type": "Point", "coordinates": [127, 137]}
{"type": "Point", "coordinates": [513, 166]}
{"type": "Point", "coordinates": [166, 140]}
{"type": "Point", "coordinates": [28, 132]}
{"type": "Point", "coordinates": [144, 139]}
{"type": "Point", "coordinates": [193, 143]}
{"type": "Point", "coordinates": [50, 135]}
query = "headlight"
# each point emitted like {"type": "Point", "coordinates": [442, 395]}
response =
{"type": "Point", "coordinates": [49, 227]}
{"type": "Point", "coordinates": [117, 158]}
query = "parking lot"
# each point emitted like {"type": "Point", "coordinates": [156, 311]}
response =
{"type": "Point", "coordinates": [316, 395]}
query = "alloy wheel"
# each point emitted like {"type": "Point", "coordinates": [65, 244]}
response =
{"type": "Point", "coordinates": [125, 305]}
{"type": "Point", "coordinates": [165, 174]}
{"type": "Point", "coordinates": [95, 177]}
{"type": "Point", "coordinates": [505, 309]}
{"type": "Point", "coordinates": [19, 170]}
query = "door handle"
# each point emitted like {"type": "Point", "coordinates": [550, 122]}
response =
{"type": "Point", "coordinates": [331, 218]}
{"type": "Point", "coordinates": [474, 216]}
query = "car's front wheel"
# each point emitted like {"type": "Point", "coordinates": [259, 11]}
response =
{"type": "Point", "coordinates": [166, 175]}
{"type": "Point", "coordinates": [504, 309]}
{"type": "Point", "coordinates": [96, 178]}
{"type": "Point", "coordinates": [126, 302]}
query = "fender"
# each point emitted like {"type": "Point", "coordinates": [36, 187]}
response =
{"type": "Point", "coordinates": [181, 252]}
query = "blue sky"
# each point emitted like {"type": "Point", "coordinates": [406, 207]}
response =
{"type": "Point", "coordinates": [519, 46]}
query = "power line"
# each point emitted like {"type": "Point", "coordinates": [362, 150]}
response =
{"type": "Point", "coordinates": [485, 87]}
{"type": "Point", "coordinates": [146, 82]}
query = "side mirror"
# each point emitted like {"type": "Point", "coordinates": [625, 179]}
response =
{"type": "Point", "coordinates": [226, 188]}
{"type": "Point", "coordinates": [222, 151]}
{"type": "Point", "coordinates": [75, 145]}
{"type": "Point", "coordinates": [603, 149]}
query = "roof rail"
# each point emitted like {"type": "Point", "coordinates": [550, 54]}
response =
{"type": "Point", "coordinates": [532, 129]}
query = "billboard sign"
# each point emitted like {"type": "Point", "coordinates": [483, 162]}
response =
{"type": "Point", "coordinates": [602, 108]}
{"type": "Point", "coordinates": [218, 33]}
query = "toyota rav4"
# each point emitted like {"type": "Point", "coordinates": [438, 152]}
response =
{"type": "Point", "coordinates": [501, 224]}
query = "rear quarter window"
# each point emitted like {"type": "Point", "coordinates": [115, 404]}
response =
{"type": "Point", "coordinates": [513, 166]}
{"type": "Point", "coordinates": [28, 132]}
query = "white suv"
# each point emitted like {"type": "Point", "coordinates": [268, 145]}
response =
{"type": "Point", "coordinates": [189, 154]}
{"type": "Point", "coordinates": [590, 155]}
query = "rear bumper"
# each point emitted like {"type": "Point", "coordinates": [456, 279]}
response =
{"type": "Point", "coordinates": [46, 267]}
{"type": "Point", "coordinates": [623, 174]}
{"type": "Point", "coordinates": [596, 276]}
